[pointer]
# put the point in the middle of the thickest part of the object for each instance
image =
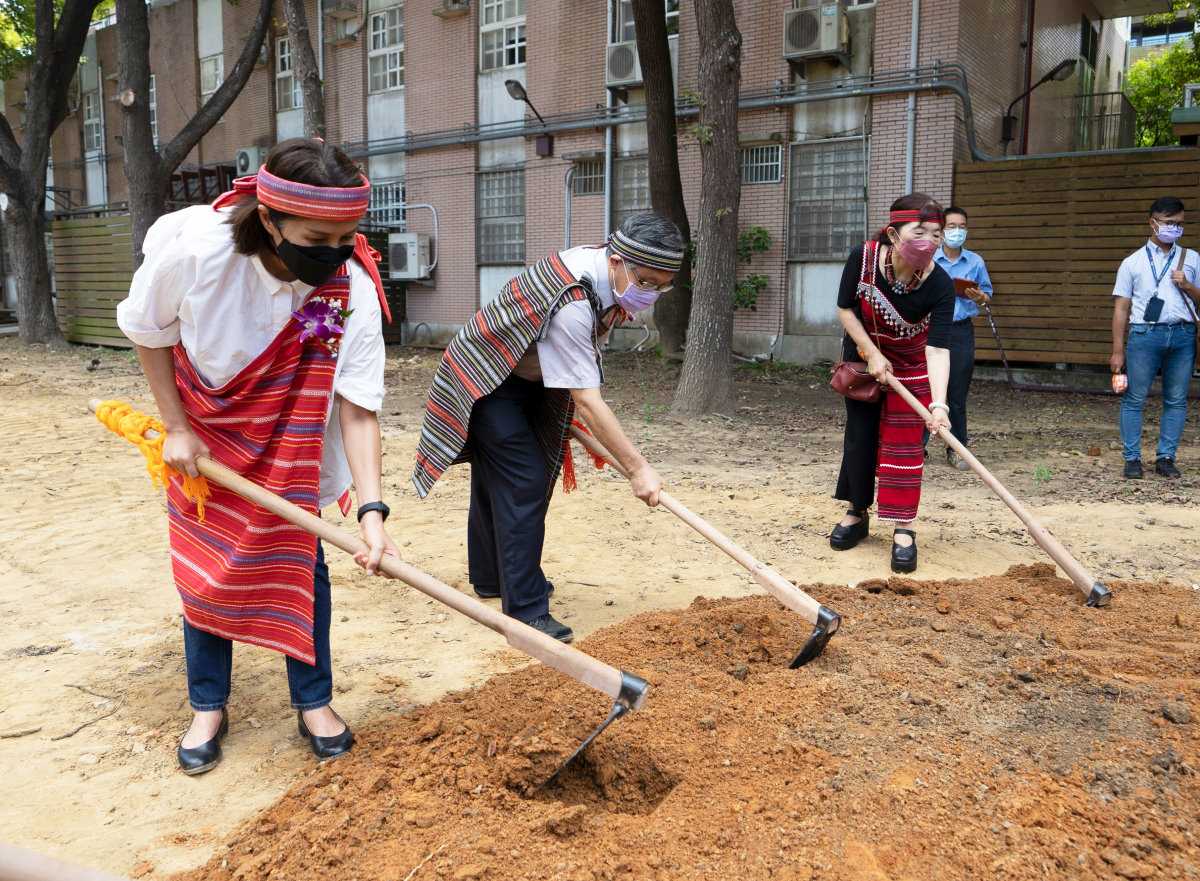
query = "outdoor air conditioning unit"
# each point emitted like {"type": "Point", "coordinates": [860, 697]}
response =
{"type": "Point", "coordinates": [250, 160]}
{"type": "Point", "coordinates": [408, 255]}
{"type": "Point", "coordinates": [623, 67]}
{"type": "Point", "coordinates": [815, 29]}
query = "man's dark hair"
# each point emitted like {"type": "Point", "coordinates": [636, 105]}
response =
{"type": "Point", "coordinates": [1166, 205]}
{"type": "Point", "coordinates": [303, 160]}
{"type": "Point", "coordinates": [929, 208]}
{"type": "Point", "coordinates": [954, 209]}
{"type": "Point", "coordinates": [652, 230]}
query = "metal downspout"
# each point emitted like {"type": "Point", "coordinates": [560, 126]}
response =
{"type": "Point", "coordinates": [608, 134]}
{"type": "Point", "coordinates": [910, 142]}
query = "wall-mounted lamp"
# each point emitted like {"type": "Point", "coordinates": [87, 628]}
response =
{"type": "Point", "coordinates": [1008, 125]}
{"type": "Point", "coordinates": [516, 91]}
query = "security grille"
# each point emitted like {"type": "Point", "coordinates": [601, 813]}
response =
{"type": "Point", "coordinates": [827, 204]}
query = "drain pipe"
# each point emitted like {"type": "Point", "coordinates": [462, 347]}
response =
{"type": "Point", "coordinates": [910, 144]}
{"type": "Point", "coordinates": [608, 134]}
{"type": "Point", "coordinates": [570, 176]}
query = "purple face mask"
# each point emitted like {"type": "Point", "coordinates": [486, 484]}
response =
{"type": "Point", "coordinates": [917, 252]}
{"type": "Point", "coordinates": [635, 298]}
{"type": "Point", "coordinates": [1168, 233]}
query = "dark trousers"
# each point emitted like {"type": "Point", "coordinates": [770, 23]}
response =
{"type": "Point", "coordinates": [506, 527]}
{"type": "Point", "coordinates": [860, 454]}
{"type": "Point", "coordinates": [210, 658]}
{"type": "Point", "coordinates": [962, 370]}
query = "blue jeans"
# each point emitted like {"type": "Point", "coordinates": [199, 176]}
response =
{"type": "Point", "coordinates": [210, 658]}
{"type": "Point", "coordinates": [1151, 347]}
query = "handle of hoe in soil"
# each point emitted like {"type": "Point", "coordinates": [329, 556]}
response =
{"type": "Point", "coordinates": [774, 583]}
{"type": "Point", "coordinates": [520, 636]}
{"type": "Point", "coordinates": [17, 864]}
{"type": "Point", "coordinates": [1097, 594]}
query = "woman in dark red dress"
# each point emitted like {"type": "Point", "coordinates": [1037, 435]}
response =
{"type": "Point", "coordinates": [897, 306]}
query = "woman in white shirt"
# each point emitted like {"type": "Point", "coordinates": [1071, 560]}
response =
{"type": "Point", "coordinates": [261, 340]}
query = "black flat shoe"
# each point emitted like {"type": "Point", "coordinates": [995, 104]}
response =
{"type": "Point", "coordinates": [552, 628]}
{"type": "Point", "coordinates": [491, 592]}
{"type": "Point", "coordinates": [904, 559]}
{"type": "Point", "coordinates": [327, 747]}
{"type": "Point", "coordinates": [843, 538]}
{"type": "Point", "coordinates": [206, 756]}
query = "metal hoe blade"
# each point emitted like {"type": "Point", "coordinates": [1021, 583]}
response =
{"type": "Point", "coordinates": [828, 622]}
{"type": "Point", "coordinates": [1099, 596]}
{"type": "Point", "coordinates": [631, 697]}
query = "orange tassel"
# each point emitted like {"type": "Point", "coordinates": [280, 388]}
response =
{"type": "Point", "coordinates": [570, 484]}
{"type": "Point", "coordinates": [120, 418]}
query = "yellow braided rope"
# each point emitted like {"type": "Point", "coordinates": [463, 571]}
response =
{"type": "Point", "coordinates": [119, 418]}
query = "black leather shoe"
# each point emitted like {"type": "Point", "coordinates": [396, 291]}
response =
{"type": "Point", "coordinates": [1133, 469]}
{"type": "Point", "coordinates": [327, 747]}
{"type": "Point", "coordinates": [843, 538]}
{"type": "Point", "coordinates": [491, 592]}
{"type": "Point", "coordinates": [1166, 467]}
{"type": "Point", "coordinates": [552, 628]}
{"type": "Point", "coordinates": [206, 756]}
{"type": "Point", "coordinates": [904, 559]}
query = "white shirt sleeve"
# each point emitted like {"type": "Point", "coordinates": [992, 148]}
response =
{"type": "Point", "coordinates": [567, 355]}
{"type": "Point", "coordinates": [361, 353]}
{"type": "Point", "coordinates": [149, 316]}
{"type": "Point", "coordinates": [1124, 285]}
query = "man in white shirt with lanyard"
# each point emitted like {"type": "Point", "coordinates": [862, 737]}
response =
{"type": "Point", "coordinates": [1155, 297]}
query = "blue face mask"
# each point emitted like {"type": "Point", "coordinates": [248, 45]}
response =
{"type": "Point", "coordinates": [956, 237]}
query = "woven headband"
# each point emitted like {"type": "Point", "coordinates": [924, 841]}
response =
{"type": "Point", "coordinates": [301, 200]}
{"type": "Point", "coordinates": [914, 217]}
{"type": "Point", "coordinates": [646, 255]}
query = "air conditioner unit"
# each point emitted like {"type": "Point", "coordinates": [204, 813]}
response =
{"type": "Point", "coordinates": [815, 29]}
{"type": "Point", "coordinates": [408, 255]}
{"type": "Point", "coordinates": [623, 66]}
{"type": "Point", "coordinates": [250, 160]}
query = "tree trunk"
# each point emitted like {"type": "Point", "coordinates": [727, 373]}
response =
{"type": "Point", "coordinates": [706, 382]}
{"type": "Point", "coordinates": [148, 168]}
{"type": "Point", "coordinates": [666, 189]}
{"type": "Point", "coordinates": [304, 66]}
{"type": "Point", "coordinates": [31, 271]}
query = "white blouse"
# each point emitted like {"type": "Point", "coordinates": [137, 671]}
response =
{"type": "Point", "coordinates": [226, 308]}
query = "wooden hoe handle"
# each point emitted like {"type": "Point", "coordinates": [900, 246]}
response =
{"type": "Point", "coordinates": [1097, 594]}
{"type": "Point", "coordinates": [17, 864]}
{"type": "Point", "coordinates": [774, 583]}
{"type": "Point", "coordinates": [534, 643]}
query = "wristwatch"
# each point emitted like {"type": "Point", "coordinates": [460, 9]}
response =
{"type": "Point", "coordinates": [373, 506]}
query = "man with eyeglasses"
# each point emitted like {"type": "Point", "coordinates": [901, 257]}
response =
{"type": "Point", "coordinates": [1155, 298]}
{"type": "Point", "coordinates": [508, 386]}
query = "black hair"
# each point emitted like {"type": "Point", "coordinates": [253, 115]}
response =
{"type": "Point", "coordinates": [1167, 205]}
{"type": "Point", "coordinates": [929, 208]}
{"type": "Point", "coordinates": [954, 209]}
{"type": "Point", "coordinates": [303, 160]}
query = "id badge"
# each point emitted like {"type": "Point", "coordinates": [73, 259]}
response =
{"type": "Point", "coordinates": [1153, 310]}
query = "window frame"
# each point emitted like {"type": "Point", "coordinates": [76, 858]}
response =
{"type": "Point", "coordinates": [93, 137]}
{"type": "Point", "coordinates": [853, 196]}
{"type": "Point", "coordinates": [509, 29]}
{"type": "Point", "coordinates": [285, 70]}
{"type": "Point", "coordinates": [384, 211]}
{"type": "Point", "coordinates": [218, 73]}
{"type": "Point", "coordinates": [389, 51]}
{"type": "Point", "coordinates": [152, 100]}
{"type": "Point", "coordinates": [776, 163]}
{"type": "Point", "coordinates": [639, 186]}
{"type": "Point", "coordinates": [505, 250]}
{"type": "Point", "coordinates": [623, 29]}
{"type": "Point", "coordinates": [588, 179]}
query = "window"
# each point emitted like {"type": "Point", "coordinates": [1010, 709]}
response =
{"type": "Point", "coordinates": [1089, 41]}
{"type": "Point", "coordinates": [589, 178]}
{"type": "Point", "coordinates": [827, 206]}
{"type": "Point", "coordinates": [92, 137]}
{"type": "Point", "coordinates": [500, 214]}
{"type": "Point", "coordinates": [501, 34]}
{"type": "Point", "coordinates": [624, 30]}
{"type": "Point", "coordinates": [762, 164]}
{"type": "Point", "coordinates": [287, 86]}
{"type": "Point", "coordinates": [212, 74]}
{"type": "Point", "coordinates": [631, 188]}
{"type": "Point", "coordinates": [153, 110]}
{"type": "Point", "coordinates": [386, 207]}
{"type": "Point", "coordinates": [385, 59]}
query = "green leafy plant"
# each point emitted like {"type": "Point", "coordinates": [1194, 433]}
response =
{"type": "Point", "coordinates": [1043, 472]}
{"type": "Point", "coordinates": [1154, 86]}
{"type": "Point", "coordinates": [752, 241]}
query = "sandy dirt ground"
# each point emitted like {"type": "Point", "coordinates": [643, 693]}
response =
{"type": "Point", "coordinates": [91, 621]}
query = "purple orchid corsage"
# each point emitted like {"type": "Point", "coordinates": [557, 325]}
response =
{"type": "Point", "coordinates": [324, 321]}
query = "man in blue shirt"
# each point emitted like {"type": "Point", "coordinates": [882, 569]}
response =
{"type": "Point", "coordinates": [961, 264]}
{"type": "Point", "coordinates": [1153, 298]}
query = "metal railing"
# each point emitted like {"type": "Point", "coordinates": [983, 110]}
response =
{"type": "Point", "coordinates": [1104, 121]}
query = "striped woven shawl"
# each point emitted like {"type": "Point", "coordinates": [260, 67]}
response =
{"type": "Point", "coordinates": [482, 356]}
{"type": "Point", "coordinates": [245, 573]}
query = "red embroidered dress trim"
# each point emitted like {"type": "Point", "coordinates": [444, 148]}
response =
{"type": "Point", "coordinates": [245, 573]}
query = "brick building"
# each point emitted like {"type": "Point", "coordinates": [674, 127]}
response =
{"type": "Point", "coordinates": [843, 110]}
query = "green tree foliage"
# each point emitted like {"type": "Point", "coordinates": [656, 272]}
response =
{"type": "Point", "coordinates": [1154, 87]}
{"type": "Point", "coordinates": [17, 33]}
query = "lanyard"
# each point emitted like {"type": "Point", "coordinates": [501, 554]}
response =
{"type": "Point", "coordinates": [1159, 276]}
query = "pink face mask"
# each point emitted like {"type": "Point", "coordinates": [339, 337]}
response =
{"type": "Point", "coordinates": [917, 252]}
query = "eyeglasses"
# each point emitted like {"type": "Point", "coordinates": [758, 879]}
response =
{"type": "Point", "coordinates": [661, 288]}
{"type": "Point", "coordinates": [1177, 224]}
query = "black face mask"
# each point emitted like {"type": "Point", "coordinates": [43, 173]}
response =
{"type": "Point", "coordinates": [313, 264]}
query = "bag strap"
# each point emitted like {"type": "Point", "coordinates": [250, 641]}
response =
{"type": "Point", "coordinates": [1186, 299]}
{"type": "Point", "coordinates": [867, 276]}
